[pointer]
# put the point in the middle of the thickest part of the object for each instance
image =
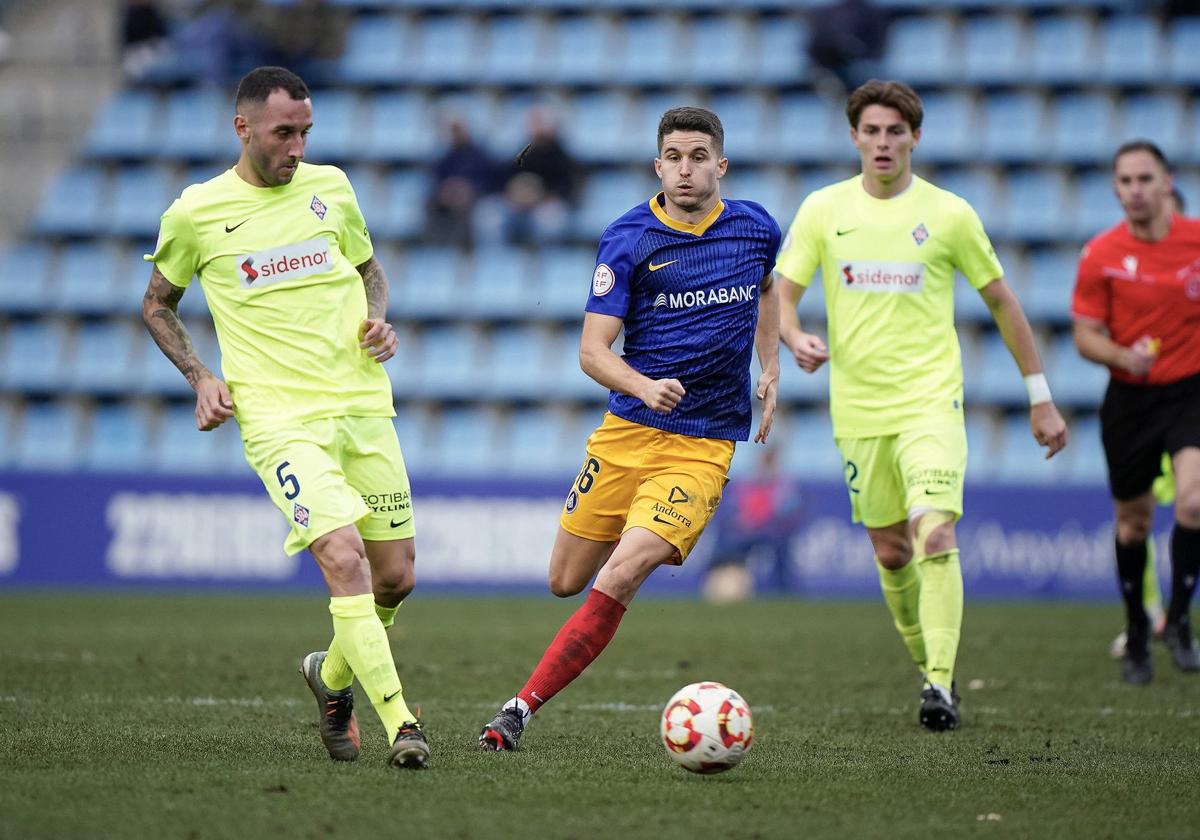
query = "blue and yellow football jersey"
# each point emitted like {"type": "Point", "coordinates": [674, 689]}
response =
{"type": "Point", "coordinates": [688, 294]}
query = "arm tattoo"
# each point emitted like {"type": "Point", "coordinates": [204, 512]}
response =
{"type": "Point", "coordinates": [158, 312]}
{"type": "Point", "coordinates": [376, 286]}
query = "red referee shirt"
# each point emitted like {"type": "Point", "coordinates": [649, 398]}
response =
{"type": "Point", "coordinates": [1138, 288]}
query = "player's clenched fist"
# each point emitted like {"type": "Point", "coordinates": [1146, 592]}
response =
{"type": "Point", "coordinates": [809, 351]}
{"type": "Point", "coordinates": [379, 339]}
{"type": "Point", "coordinates": [662, 395]}
{"type": "Point", "coordinates": [214, 405]}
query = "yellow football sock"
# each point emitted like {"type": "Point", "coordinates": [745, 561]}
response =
{"type": "Point", "coordinates": [902, 594]}
{"type": "Point", "coordinates": [335, 670]}
{"type": "Point", "coordinates": [359, 634]}
{"type": "Point", "coordinates": [1151, 596]}
{"type": "Point", "coordinates": [941, 607]}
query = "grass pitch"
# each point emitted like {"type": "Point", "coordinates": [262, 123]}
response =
{"type": "Point", "coordinates": [165, 717]}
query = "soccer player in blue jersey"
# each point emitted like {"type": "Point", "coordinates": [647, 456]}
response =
{"type": "Point", "coordinates": [688, 276]}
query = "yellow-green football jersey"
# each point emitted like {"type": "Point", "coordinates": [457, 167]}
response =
{"type": "Point", "coordinates": [888, 268]}
{"type": "Point", "coordinates": [278, 269]}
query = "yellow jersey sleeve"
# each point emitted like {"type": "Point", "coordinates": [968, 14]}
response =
{"type": "Point", "coordinates": [354, 239]}
{"type": "Point", "coordinates": [974, 255]}
{"type": "Point", "coordinates": [177, 254]}
{"type": "Point", "coordinates": [800, 254]}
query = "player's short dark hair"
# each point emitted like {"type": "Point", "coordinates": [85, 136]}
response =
{"type": "Point", "coordinates": [260, 82]}
{"type": "Point", "coordinates": [691, 118]}
{"type": "Point", "coordinates": [890, 94]}
{"type": "Point", "coordinates": [1148, 146]}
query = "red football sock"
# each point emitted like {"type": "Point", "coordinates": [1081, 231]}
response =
{"type": "Point", "coordinates": [581, 639]}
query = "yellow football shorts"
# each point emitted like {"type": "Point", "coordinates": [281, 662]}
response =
{"type": "Point", "coordinates": [327, 473]}
{"type": "Point", "coordinates": [890, 476]}
{"type": "Point", "coordinates": [635, 476]}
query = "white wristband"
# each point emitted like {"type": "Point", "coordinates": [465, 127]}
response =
{"type": "Point", "coordinates": [1038, 388]}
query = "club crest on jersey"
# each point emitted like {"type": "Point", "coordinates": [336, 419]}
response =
{"type": "Point", "coordinates": [300, 515]}
{"type": "Point", "coordinates": [572, 501]}
{"type": "Point", "coordinates": [920, 234]}
{"type": "Point", "coordinates": [319, 208]}
{"type": "Point", "coordinates": [1130, 264]}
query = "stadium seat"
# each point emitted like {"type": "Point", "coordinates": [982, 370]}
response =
{"type": "Point", "coordinates": [780, 50]}
{"type": "Point", "coordinates": [610, 194]}
{"type": "Point", "coordinates": [981, 444]}
{"type": "Point", "coordinates": [127, 127]}
{"type": "Point", "coordinates": [87, 280]}
{"type": "Point", "coordinates": [35, 357]}
{"type": "Point", "coordinates": [1160, 117]}
{"type": "Point", "coordinates": [949, 130]}
{"type": "Point", "coordinates": [1084, 125]}
{"type": "Point", "coordinates": [536, 444]}
{"type": "Point", "coordinates": [140, 195]}
{"type": "Point", "coordinates": [769, 186]}
{"type": "Point", "coordinates": [921, 49]}
{"type": "Point", "coordinates": [102, 358]}
{"type": "Point", "coordinates": [995, 49]}
{"type": "Point", "coordinates": [467, 442]}
{"type": "Point", "coordinates": [562, 284]}
{"type": "Point", "coordinates": [118, 440]}
{"type": "Point", "coordinates": [1039, 206]}
{"type": "Point", "coordinates": [1183, 38]}
{"type": "Point", "coordinates": [564, 378]}
{"type": "Point", "coordinates": [75, 204]}
{"type": "Point", "coordinates": [25, 278]}
{"type": "Point", "coordinates": [402, 212]}
{"type": "Point", "coordinates": [583, 51]}
{"type": "Point", "coordinates": [644, 53]}
{"type": "Point", "coordinates": [1063, 50]}
{"type": "Point", "coordinates": [499, 284]}
{"type": "Point", "coordinates": [1087, 464]}
{"type": "Point", "coordinates": [153, 372]}
{"type": "Point", "coordinates": [413, 430]}
{"type": "Point", "coordinates": [1097, 208]}
{"type": "Point", "coordinates": [180, 448]}
{"type": "Point", "coordinates": [597, 128]}
{"type": "Point", "coordinates": [749, 123]}
{"type": "Point", "coordinates": [1051, 281]}
{"type": "Point", "coordinates": [993, 377]}
{"type": "Point", "coordinates": [198, 126]}
{"type": "Point", "coordinates": [1073, 379]}
{"type": "Point", "coordinates": [719, 50]}
{"type": "Point", "coordinates": [399, 126]}
{"type": "Point", "coordinates": [336, 134]}
{"type": "Point", "coordinates": [48, 438]}
{"type": "Point", "coordinates": [810, 129]}
{"type": "Point", "coordinates": [7, 430]}
{"type": "Point", "coordinates": [1014, 126]}
{"type": "Point", "coordinates": [447, 51]}
{"type": "Point", "coordinates": [450, 366]}
{"type": "Point", "coordinates": [796, 386]}
{"type": "Point", "coordinates": [809, 451]}
{"type": "Point", "coordinates": [430, 285]}
{"type": "Point", "coordinates": [969, 305]}
{"type": "Point", "coordinates": [1131, 49]}
{"type": "Point", "coordinates": [377, 51]}
{"type": "Point", "coordinates": [1020, 460]}
{"type": "Point", "coordinates": [514, 365]}
{"type": "Point", "coordinates": [514, 52]}
{"type": "Point", "coordinates": [647, 111]}
{"type": "Point", "coordinates": [978, 187]}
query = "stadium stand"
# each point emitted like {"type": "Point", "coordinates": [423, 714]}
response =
{"type": "Point", "coordinates": [1025, 101]}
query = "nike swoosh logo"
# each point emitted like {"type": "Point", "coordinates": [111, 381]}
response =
{"type": "Point", "coordinates": [847, 230]}
{"type": "Point", "coordinates": [401, 522]}
{"type": "Point", "coordinates": [388, 697]}
{"type": "Point", "coordinates": [229, 229]}
{"type": "Point", "coordinates": [654, 267]}
{"type": "Point", "coordinates": [657, 518]}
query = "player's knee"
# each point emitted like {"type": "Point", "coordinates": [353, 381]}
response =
{"type": "Point", "coordinates": [393, 586]}
{"type": "Point", "coordinates": [564, 585]}
{"type": "Point", "coordinates": [1133, 528]}
{"type": "Point", "coordinates": [894, 557]}
{"type": "Point", "coordinates": [933, 533]}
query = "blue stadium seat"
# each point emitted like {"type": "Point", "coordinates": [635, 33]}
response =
{"type": "Point", "coordinates": [500, 284]}
{"type": "Point", "coordinates": [127, 127]}
{"type": "Point", "coordinates": [48, 438]}
{"type": "Point", "coordinates": [1087, 464]}
{"type": "Point", "coordinates": [749, 122]}
{"type": "Point", "coordinates": [562, 283]}
{"type": "Point", "coordinates": [447, 51]}
{"type": "Point", "coordinates": [1183, 39]}
{"type": "Point", "coordinates": [1014, 126]}
{"type": "Point", "coordinates": [1019, 460]}
{"type": "Point", "coordinates": [969, 305]}
{"type": "Point", "coordinates": [140, 195]}
{"type": "Point", "coordinates": [377, 51]}
{"type": "Point", "coordinates": [1074, 380]}
{"type": "Point", "coordinates": [949, 130]}
{"type": "Point", "coordinates": [535, 444]}
{"type": "Point", "coordinates": [336, 133]}
{"type": "Point", "coordinates": [102, 358]}
{"type": "Point", "coordinates": [153, 372]}
{"type": "Point", "coordinates": [1084, 125]}
{"type": "Point", "coordinates": [610, 194]}
{"type": "Point", "coordinates": [598, 126]}
{"type": "Point", "coordinates": [769, 186]}
{"type": "Point", "coordinates": [198, 126]}
{"type": "Point", "coordinates": [808, 448]}
{"type": "Point", "coordinates": [1160, 117]}
{"type": "Point", "coordinates": [810, 129]}
{"type": "Point", "coordinates": [779, 48]}
{"type": "Point", "coordinates": [648, 109]}
{"type": "Point", "coordinates": [132, 276]}
{"type": "Point", "coordinates": [467, 443]}
{"type": "Point", "coordinates": [992, 377]}
{"type": "Point", "coordinates": [1131, 50]}
{"type": "Point", "coordinates": [995, 49]}
{"type": "Point", "coordinates": [796, 386]}
{"type": "Point", "coordinates": [645, 54]}
{"type": "Point", "coordinates": [719, 50]}
{"type": "Point", "coordinates": [413, 430]}
{"type": "Point", "coordinates": [74, 204]}
{"type": "Point", "coordinates": [87, 279]}
{"type": "Point", "coordinates": [921, 49]}
{"type": "Point", "coordinates": [981, 444]}
{"type": "Point", "coordinates": [7, 431]}
{"type": "Point", "coordinates": [1063, 49]}
{"type": "Point", "coordinates": [1039, 206]}
{"type": "Point", "coordinates": [585, 50]}
{"type": "Point", "coordinates": [515, 364]}
{"type": "Point", "coordinates": [119, 439]}
{"type": "Point", "coordinates": [25, 278]}
{"type": "Point", "coordinates": [978, 187]}
{"type": "Point", "coordinates": [1097, 208]}
{"type": "Point", "coordinates": [514, 52]}
{"type": "Point", "coordinates": [1051, 281]}
{"type": "Point", "coordinates": [450, 366]}
{"type": "Point", "coordinates": [564, 378]}
{"type": "Point", "coordinates": [34, 357]}
{"type": "Point", "coordinates": [180, 448]}
{"type": "Point", "coordinates": [399, 127]}
{"type": "Point", "coordinates": [403, 212]}
{"type": "Point", "coordinates": [430, 285]}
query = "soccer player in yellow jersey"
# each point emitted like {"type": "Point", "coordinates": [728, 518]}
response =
{"type": "Point", "coordinates": [299, 304]}
{"type": "Point", "coordinates": [888, 243]}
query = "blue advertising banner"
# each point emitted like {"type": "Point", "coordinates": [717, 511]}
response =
{"type": "Point", "coordinates": [90, 530]}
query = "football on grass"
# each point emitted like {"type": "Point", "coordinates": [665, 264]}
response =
{"type": "Point", "coordinates": [707, 728]}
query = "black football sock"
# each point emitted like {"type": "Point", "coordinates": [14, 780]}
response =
{"type": "Point", "coordinates": [1185, 562]}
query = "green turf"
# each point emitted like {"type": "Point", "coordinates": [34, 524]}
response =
{"type": "Point", "coordinates": [162, 717]}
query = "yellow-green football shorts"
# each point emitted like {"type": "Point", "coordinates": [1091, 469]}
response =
{"type": "Point", "coordinates": [890, 476]}
{"type": "Point", "coordinates": [327, 473]}
{"type": "Point", "coordinates": [635, 476]}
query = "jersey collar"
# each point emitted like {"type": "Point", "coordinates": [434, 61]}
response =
{"type": "Point", "coordinates": [697, 229]}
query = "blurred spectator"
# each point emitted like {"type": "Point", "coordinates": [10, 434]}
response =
{"type": "Point", "coordinates": [541, 189]}
{"type": "Point", "coordinates": [304, 36]}
{"type": "Point", "coordinates": [220, 42]}
{"type": "Point", "coordinates": [846, 44]}
{"type": "Point", "coordinates": [461, 176]}
{"type": "Point", "coordinates": [145, 37]}
{"type": "Point", "coordinates": [757, 518]}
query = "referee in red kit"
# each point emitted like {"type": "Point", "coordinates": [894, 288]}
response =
{"type": "Point", "coordinates": [1136, 309]}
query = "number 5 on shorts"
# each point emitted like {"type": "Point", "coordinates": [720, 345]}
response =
{"type": "Point", "coordinates": [285, 480]}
